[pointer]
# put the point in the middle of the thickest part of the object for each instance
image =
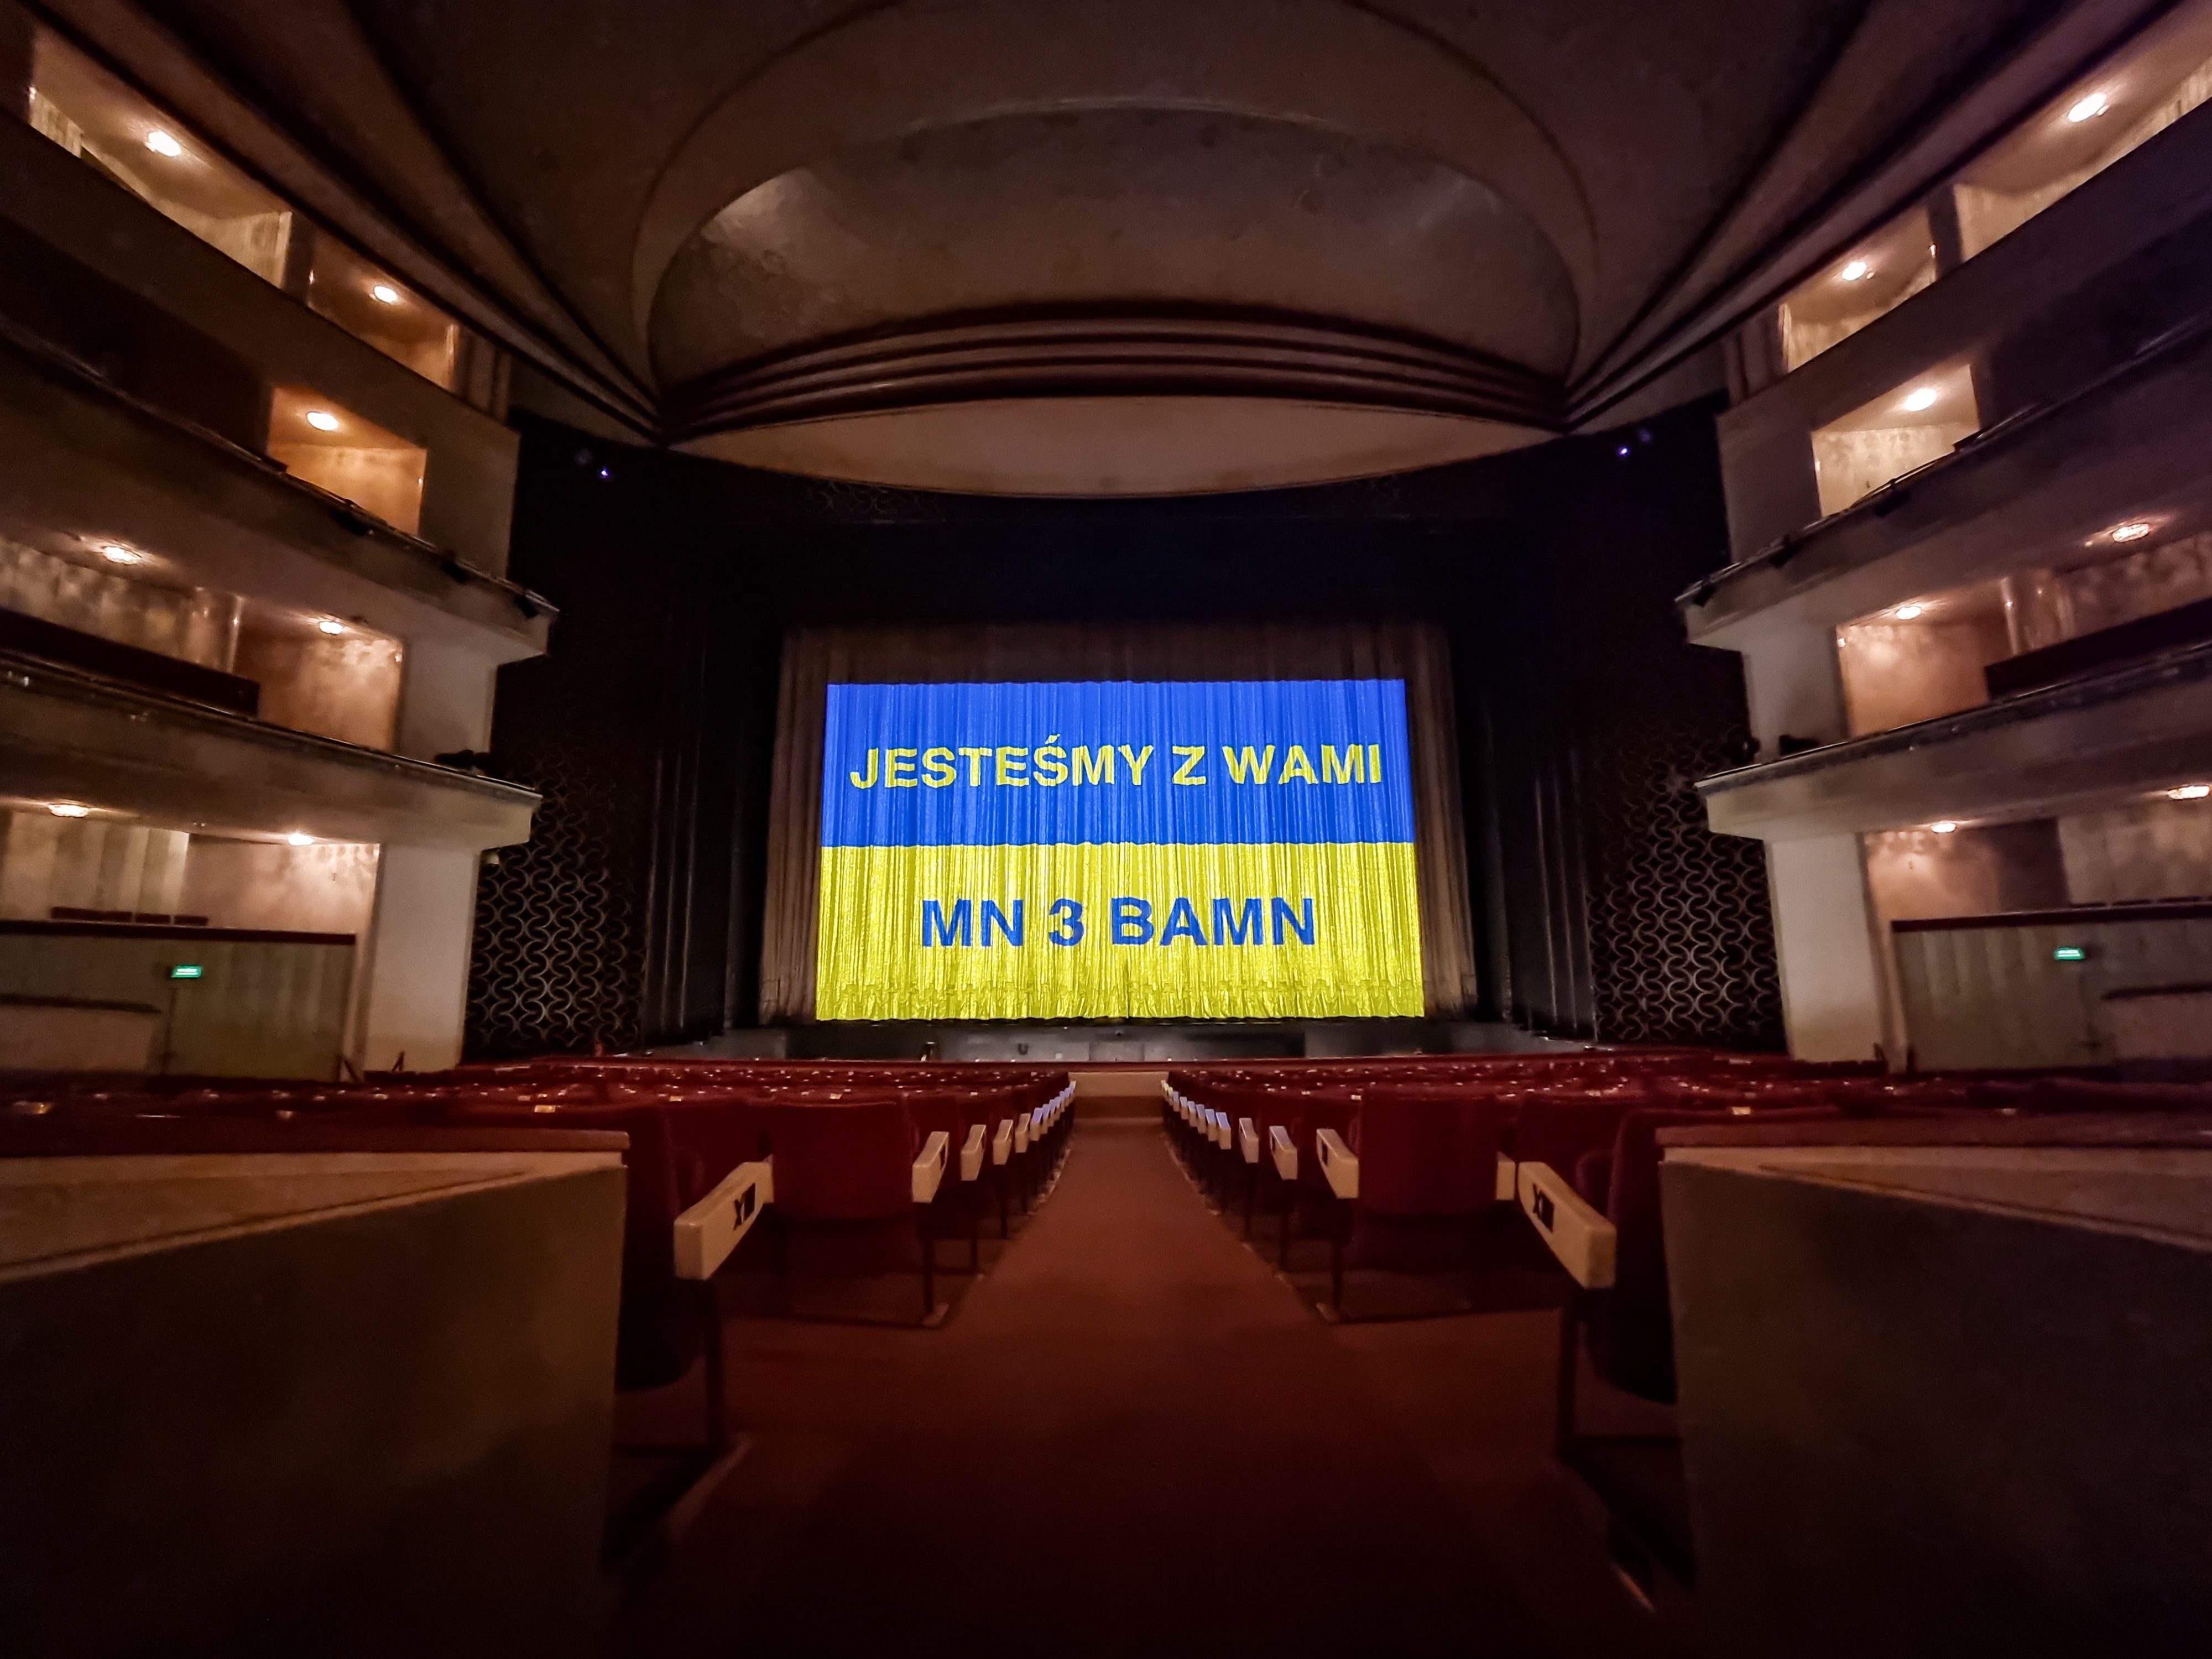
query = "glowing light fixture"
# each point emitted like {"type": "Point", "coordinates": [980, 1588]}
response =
{"type": "Point", "coordinates": [1907, 613]}
{"type": "Point", "coordinates": [2070, 953]}
{"type": "Point", "coordinates": [68, 809]}
{"type": "Point", "coordinates": [2087, 109]}
{"type": "Point", "coordinates": [332, 625]}
{"type": "Point", "coordinates": [163, 145]}
{"type": "Point", "coordinates": [2190, 791]}
{"type": "Point", "coordinates": [1924, 398]}
{"type": "Point", "coordinates": [322, 420]}
{"type": "Point", "coordinates": [1943, 826]}
{"type": "Point", "coordinates": [115, 553]}
{"type": "Point", "coordinates": [385, 293]}
{"type": "Point", "coordinates": [2133, 530]}
{"type": "Point", "coordinates": [299, 838]}
{"type": "Point", "coordinates": [1857, 270]}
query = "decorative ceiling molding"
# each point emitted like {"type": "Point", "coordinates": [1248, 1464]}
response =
{"type": "Point", "coordinates": [1114, 351]}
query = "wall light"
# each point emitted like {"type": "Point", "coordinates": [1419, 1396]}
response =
{"type": "Point", "coordinates": [68, 809]}
{"type": "Point", "coordinates": [115, 553]}
{"type": "Point", "coordinates": [1907, 613]}
{"type": "Point", "coordinates": [162, 144]}
{"type": "Point", "coordinates": [386, 292]}
{"type": "Point", "coordinates": [2087, 109]}
{"type": "Point", "coordinates": [332, 625]}
{"type": "Point", "coordinates": [1855, 270]}
{"type": "Point", "coordinates": [1924, 398]}
{"type": "Point", "coordinates": [1943, 826]}
{"type": "Point", "coordinates": [2190, 791]}
{"type": "Point", "coordinates": [299, 838]}
{"type": "Point", "coordinates": [322, 420]}
{"type": "Point", "coordinates": [2133, 530]}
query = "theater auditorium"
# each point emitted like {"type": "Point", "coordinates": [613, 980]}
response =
{"type": "Point", "coordinates": [1101, 827]}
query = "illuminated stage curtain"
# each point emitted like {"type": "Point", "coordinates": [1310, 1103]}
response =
{"type": "Point", "coordinates": [1375, 978]}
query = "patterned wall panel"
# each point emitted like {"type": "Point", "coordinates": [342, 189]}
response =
{"type": "Point", "coordinates": [560, 921]}
{"type": "Point", "coordinates": [1681, 946]}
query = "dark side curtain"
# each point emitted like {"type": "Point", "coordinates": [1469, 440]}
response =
{"type": "Point", "coordinates": [815, 658]}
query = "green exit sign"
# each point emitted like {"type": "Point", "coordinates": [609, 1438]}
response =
{"type": "Point", "coordinates": [2069, 953]}
{"type": "Point", "coordinates": [188, 970]}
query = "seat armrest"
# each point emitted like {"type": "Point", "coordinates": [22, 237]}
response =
{"type": "Point", "coordinates": [1248, 1141]}
{"type": "Point", "coordinates": [1022, 1133]}
{"type": "Point", "coordinates": [707, 1232]}
{"type": "Point", "coordinates": [1583, 1240]}
{"type": "Point", "coordinates": [1002, 1143]}
{"type": "Point", "coordinates": [1167, 1092]}
{"type": "Point", "coordinates": [1283, 1150]}
{"type": "Point", "coordinates": [971, 1153]}
{"type": "Point", "coordinates": [1508, 1185]}
{"type": "Point", "coordinates": [929, 1167]}
{"type": "Point", "coordinates": [1337, 1166]}
{"type": "Point", "coordinates": [1221, 1131]}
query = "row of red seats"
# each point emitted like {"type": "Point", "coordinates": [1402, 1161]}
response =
{"type": "Point", "coordinates": [1575, 1140]}
{"type": "Point", "coordinates": [908, 1153]}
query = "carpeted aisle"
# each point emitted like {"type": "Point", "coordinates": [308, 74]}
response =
{"type": "Point", "coordinates": [1131, 1438]}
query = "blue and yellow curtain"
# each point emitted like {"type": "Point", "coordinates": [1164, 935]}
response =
{"type": "Point", "coordinates": [1233, 849]}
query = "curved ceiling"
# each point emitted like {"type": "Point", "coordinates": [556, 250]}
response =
{"type": "Point", "coordinates": [832, 224]}
{"type": "Point", "coordinates": [1132, 209]}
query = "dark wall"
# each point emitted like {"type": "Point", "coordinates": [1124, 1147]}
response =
{"type": "Point", "coordinates": [1603, 905]}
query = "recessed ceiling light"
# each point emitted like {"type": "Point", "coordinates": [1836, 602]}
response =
{"type": "Point", "coordinates": [1853, 271]}
{"type": "Point", "coordinates": [323, 420]}
{"type": "Point", "coordinates": [386, 292]}
{"type": "Point", "coordinates": [68, 809]}
{"type": "Point", "coordinates": [2133, 530]}
{"type": "Point", "coordinates": [332, 625]}
{"type": "Point", "coordinates": [299, 838]}
{"type": "Point", "coordinates": [2088, 108]}
{"type": "Point", "coordinates": [2190, 791]}
{"type": "Point", "coordinates": [162, 144]}
{"type": "Point", "coordinates": [1943, 826]}
{"type": "Point", "coordinates": [115, 553]}
{"type": "Point", "coordinates": [1924, 398]}
{"type": "Point", "coordinates": [1907, 613]}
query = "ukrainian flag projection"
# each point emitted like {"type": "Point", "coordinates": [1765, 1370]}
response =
{"type": "Point", "coordinates": [1237, 849]}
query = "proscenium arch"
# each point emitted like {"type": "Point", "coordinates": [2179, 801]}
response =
{"type": "Point", "coordinates": [910, 67]}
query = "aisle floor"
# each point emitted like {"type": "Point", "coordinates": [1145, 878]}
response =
{"type": "Point", "coordinates": [1132, 1437]}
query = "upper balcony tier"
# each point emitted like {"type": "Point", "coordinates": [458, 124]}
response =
{"type": "Point", "coordinates": [2053, 477]}
{"type": "Point", "coordinates": [50, 199]}
{"type": "Point", "coordinates": [2072, 747]}
{"type": "Point", "coordinates": [84, 463]}
{"type": "Point", "coordinates": [2121, 258]}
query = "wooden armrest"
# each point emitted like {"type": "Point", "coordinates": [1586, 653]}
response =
{"type": "Point", "coordinates": [1337, 1166]}
{"type": "Point", "coordinates": [707, 1232]}
{"type": "Point", "coordinates": [1002, 1143]}
{"type": "Point", "coordinates": [1248, 1141]}
{"type": "Point", "coordinates": [1218, 1129]}
{"type": "Point", "coordinates": [929, 1167]}
{"type": "Point", "coordinates": [1283, 1150]}
{"type": "Point", "coordinates": [1168, 1093]}
{"type": "Point", "coordinates": [1022, 1133]}
{"type": "Point", "coordinates": [971, 1154]}
{"type": "Point", "coordinates": [1583, 1239]}
{"type": "Point", "coordinates": [1508, 1185]}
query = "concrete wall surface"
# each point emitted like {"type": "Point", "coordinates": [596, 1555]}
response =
{"type": "Point", "coordinates": [337, 1404]}
{"type": "Point", "coordinates": [1946, 1400]}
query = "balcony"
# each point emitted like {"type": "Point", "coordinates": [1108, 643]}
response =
{"type": "Point", "coordinates": [70, 736]}
{"type": "Point", "coordinates": [83, 464]}
{"type": "Point", "coordinates": [2070, 748]}
{"type": "Point", "coordinates": [2130, 444]}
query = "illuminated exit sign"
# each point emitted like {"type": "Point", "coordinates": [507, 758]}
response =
{"type": "Point", "coordinates": [188, 970]}
{"type": "Point", "coordinates": [2069, 953]}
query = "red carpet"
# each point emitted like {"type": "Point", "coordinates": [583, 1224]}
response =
{"type": "Point", "coordinates": [1132, 1437]}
